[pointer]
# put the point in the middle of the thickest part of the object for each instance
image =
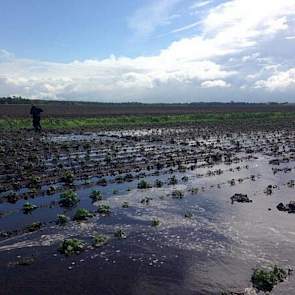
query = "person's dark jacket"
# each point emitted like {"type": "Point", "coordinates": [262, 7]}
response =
{"type": "Point", "coordinates": [35, 112]}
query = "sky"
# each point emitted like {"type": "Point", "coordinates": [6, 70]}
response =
{"type": "Point", "coordinates": [148, 50]}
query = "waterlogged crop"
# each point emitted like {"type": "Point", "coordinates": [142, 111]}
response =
{"type": "Point", "coordinates": [104, 209]}
{"type": "Point", "coordinates": [158, 183]}
{"type": "Point", "coordinates": [82, 214]}
{"type": "Point", "coordinates": [68, 177]}
{"type": "Point", "coordinates": [62, 219]}
{"type": "Point", "coordinates": [96, 196]}
{"type": "Point", "coordinates": [51, 190]}
{"type": "Point", "coordinates": [125, 205]}
{"type": "Point", "coordinates": [177, 194]}
{"type": "Point", "coordinates": [120, 234]}
{"type": "Point", "coordinates": [34, 182]}
{"type": "Point", "coordinates": [71, 246]}
{"type": "Point", "coordinates": [155, 222]}
{"type": "Point", "coordinates": [12, 198]}
{"type": "Point", "coordinates": [173, 180]}
{"type": "Point", "coordinates": [34, 226]}
{"type": "Point", "coordinates": [99, 240]}
{"type": "Point", "coordinates": [68, 199]}
{"type": "Point", "coordinates": [143, 184]}
{"type": "Point", "coordinates": [265, 280]}
{"type": "Point", "coordinates": [146, 200]}
{"type": "Point", "coordinates": [28, 208]}
{"type": "Point", "coordinates": [188, 214]}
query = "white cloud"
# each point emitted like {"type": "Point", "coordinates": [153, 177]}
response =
{"type": "Point", "coordinates": [215, 83]}
{"type": "Point", "coordinates": [233, 51]}
{"type": "Point", "coordinates": [278, 81]}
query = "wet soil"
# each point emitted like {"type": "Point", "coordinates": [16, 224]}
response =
{"type": "Point", "coordinates": [168, 189]}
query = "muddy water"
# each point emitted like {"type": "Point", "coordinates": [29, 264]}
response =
{"type": "Point", "coordinates": [213, 250]}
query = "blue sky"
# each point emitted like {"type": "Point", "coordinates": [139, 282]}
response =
{"type": "Point", "coordinates": [153, 51]}
{"type": "Point", "coordinates": [65, 30]}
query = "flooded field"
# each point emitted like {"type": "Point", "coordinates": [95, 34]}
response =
{"type": "Point", "coordinates": [167, 210]}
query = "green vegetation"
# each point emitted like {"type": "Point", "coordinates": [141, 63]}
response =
{"type": "Point", "coordinates": [99, 240]}
{"type": "Point", "coordinates": [68, 199]}
{"type": "Point", "coordinates": [68, 177]}
{"type": "Point", "coordinates": [133, 120]}
{"type": "Point", "coordinates": [28, 208]}
{"type": "Point", "coordinates": [155, 222]}
{"type": "Point", "coordinates": [34, 182]}
{"type": "Point", "coordinates": [25, 261]}
{"type": "Point", "coordinates": [96, 196]}
{"type": "Point", "coordinates": [143, 184]}
{"type": "Point", "coordinates": [264, 280]}
{"type": "Point", "coordinates": [71, 246]}
{"type": "Point", "coordinates": [34, 226]}
{"type": "Point", "coordinates": [62, 219]}
{"type": "Point", "coordinates": [104, 209]}
{"type": "Point", "coordinates": [82, 214]}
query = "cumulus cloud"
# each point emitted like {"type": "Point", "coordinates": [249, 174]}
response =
{"type": "Point", "coordinates": [215, 83]}
{"type": "Point", "coordinates": [279, 81]}
{"type": "Point", "coordinates": [232, 51]}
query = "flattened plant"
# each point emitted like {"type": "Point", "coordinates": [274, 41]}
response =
{"type": "Point", "coordinates": [34, 226]}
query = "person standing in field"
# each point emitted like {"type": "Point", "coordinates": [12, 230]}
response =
{"type": "Point", "coordinates": [36, 116]}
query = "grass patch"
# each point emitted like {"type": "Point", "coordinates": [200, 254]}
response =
{"type": "Point", "coordinates": [135, 120]}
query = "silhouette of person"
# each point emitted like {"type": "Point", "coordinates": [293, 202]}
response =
{"type": "Point", "coordinates": [36, 115]}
